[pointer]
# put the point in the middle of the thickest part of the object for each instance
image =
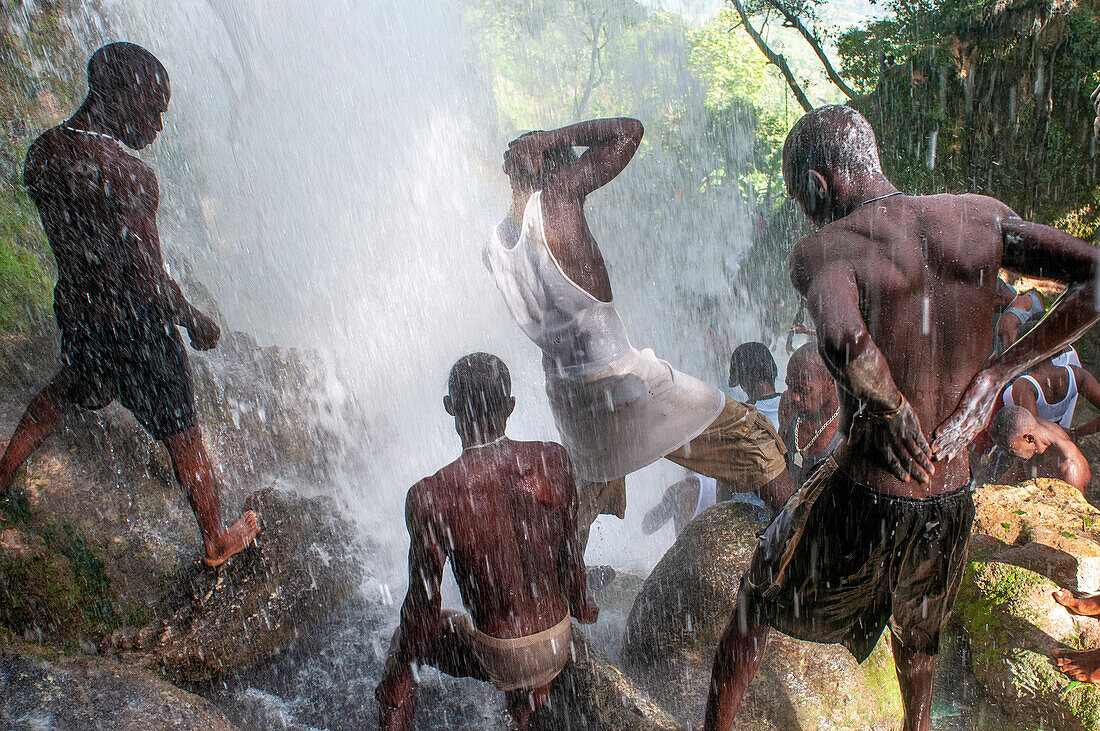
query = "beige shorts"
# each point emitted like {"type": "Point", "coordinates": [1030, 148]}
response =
{"type": "Point", "coordinates": [740, 449]}
{"type": "Point", "coordinates": [522, 663]}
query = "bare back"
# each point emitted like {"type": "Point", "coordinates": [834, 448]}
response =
{"type": "Point", "coordinates": [502, 515]}
{"type": "Point", "coordinates": [923, 273]}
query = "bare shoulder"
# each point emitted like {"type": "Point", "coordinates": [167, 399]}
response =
{"type": "Point", "coordinates": [833, 246]}
{"type": "Point", "coordinates": [975, 208]}
{"type": "Point", "coordinates": [424, 496]}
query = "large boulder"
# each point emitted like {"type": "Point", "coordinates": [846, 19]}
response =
{"type": "Point", "coordinates": [1029, 540]}
{"type": "Point", "coordinates": [40, 691]}
{"type": "Point", "coordinates": [591, 694]}
{"type": "Point", "coordinates": [679, 616]}
{"type": "Point", "coordinates": [301, 567]}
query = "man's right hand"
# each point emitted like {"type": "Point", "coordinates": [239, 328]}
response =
{"type": "Point", "coordinates": [204, 331]}
{"type": "Point", "coordinates": [895, 437]}
{"type": "Point", "coordinates": [588, 613]}
{"type": "Point", "coordinates": [525, 153]}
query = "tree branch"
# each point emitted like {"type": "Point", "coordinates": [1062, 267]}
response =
{"type": "Point", "coordinates": [795, 22]}
{"type": "Point", "coordinates": [773, 58]}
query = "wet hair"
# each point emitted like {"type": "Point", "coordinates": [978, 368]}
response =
{"type": "Point", "coordinates": [479, 386]}
{"type": "Point", "coordinates": [125, 67]}
{"type": "Point", "coordinates": [752, 362]}
{"type": "Point", "coordinates": [834, 140]}
{"type": "Point", "coordinates": [809, 359]}
{"type": "Point", "coordinates": [1011, 422]}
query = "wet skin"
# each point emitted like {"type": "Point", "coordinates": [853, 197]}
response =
{"type": "Point", "coordinates": [504, 515]}
{"type": "Point", "coordinates": [1054, 380]}
{"type": "Point", "coordinates": [610, 143]}
{"type": "Point", "coordinates": [98, 206]}
{"type": "Point", "coordinates": [909, 283]}
{"type": "Point", "coordinates": [902, 293]}
{"type": "Point", "coordinates": [1047, 451]}
{"type": "Point", "coordinates": [810, 398]}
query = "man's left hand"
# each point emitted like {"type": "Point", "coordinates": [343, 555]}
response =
{"type": "Point", "coordinates": [204, 332]}
{"type": "Point", "coordinates": [969, 418]}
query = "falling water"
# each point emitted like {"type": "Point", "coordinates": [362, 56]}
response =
{"type": "Point", "coordinates": [330, 174]}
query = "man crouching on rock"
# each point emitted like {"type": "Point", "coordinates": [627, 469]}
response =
{"type": "Point", "coordinates": [901, 289]}
{"type": "Point", "coordinates": [115, 304]}
{"type": "Point", "coordinates": [505, 514]}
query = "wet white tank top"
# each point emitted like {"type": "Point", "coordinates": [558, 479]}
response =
{"type": "Point", "coordinates": [617, 408]}
{"type": "Point", "coordinates": [580, 334]}
{"type": "Point", "coordinates": [1060, 413]}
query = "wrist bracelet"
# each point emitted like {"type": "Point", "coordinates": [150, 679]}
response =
{"type": "Point", "coordinates": [890, 413]}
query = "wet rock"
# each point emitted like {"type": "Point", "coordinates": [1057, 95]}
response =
{"type": "Point", "coordinates": [592, 694]}
{"type": "Point", "coordinates": [119, 537]}
{"type": "Point", "coordinates": [679, 616]}
{"type": "Point", "coordinates": [301, 568]}
{"type": "Point", "coordinates": [40, 691]}
{"type": "Point", "coordinates": [1029, 540]}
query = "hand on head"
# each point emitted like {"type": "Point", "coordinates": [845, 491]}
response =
{"type": "Point", "coordinates": [524, 156]}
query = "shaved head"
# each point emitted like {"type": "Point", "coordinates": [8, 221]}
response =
{"type": "Point", "coordinates": [811, 390]}
{"type": "Point", "coordinates": [807, 362]}
{"type": "Point", "coordinates": [480, 387]}
{"type": "Point", "coordinates": [126, 68]}
{"type": "Point", "coordinates": [1011, 422]}
{"type": "Point", "coordinates": [835, 141]}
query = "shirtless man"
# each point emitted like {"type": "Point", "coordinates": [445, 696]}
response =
{"type": "Point", "coordinates": [809, 414]}
{"type": "Point", "coordinates": [1041, 448]}
{"type": "Point", "coordinates": [901, 291]}
{"type": "Point", "coordinates": [504, 513]}
{"type": "Point", "coordinates": [115, 304]}
{"type": "Point", "coordinates": [617, 408]}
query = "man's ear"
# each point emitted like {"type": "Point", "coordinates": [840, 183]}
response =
{"type": "Point", "coordinates": [817, 185]}
{"type": "Point", "coordinates": [448, 406]}
{"type": "Point", "coordinates": [511, 405]}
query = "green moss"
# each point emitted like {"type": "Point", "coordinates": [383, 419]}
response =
{"type": "Point", "coordinates": [881, 678]}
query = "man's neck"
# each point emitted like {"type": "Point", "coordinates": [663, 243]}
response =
{"type": "Point", "coordinates": [848, 201]}
{"type": "Point", "coordinates": [760, 390]}
{"type": "Point", "coordinates": [89, 118]}
{"type": "Point", "coordinates": [480, 435]}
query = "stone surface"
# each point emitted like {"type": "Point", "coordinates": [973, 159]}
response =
{"type": "Point", "coordinates": [591, 694]}
{"type": "Point", "coordinates": [39, 691]}
{"type": "Point", "coordinates": [682, 609]}
{"type": "Point", "coordinates": [301, 568]}
{"type": "Point", "coordinates": [1029, 540]}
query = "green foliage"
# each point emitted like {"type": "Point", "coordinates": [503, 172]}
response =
{"type": "Point", "coordinates": [985, 97]}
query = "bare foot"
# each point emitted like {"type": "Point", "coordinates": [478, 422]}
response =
{"type": "Point", "coordinates": [1080, 665]}
{"type": "Point", "coordinates": [234, 540]}
{"type": "Point", "coordinates": [1079, 603]}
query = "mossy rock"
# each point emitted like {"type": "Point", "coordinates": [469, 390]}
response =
{"type": "Point", "coordinates": [685, 604]}
{"type": "Point", "coordinates": [1013, 626]}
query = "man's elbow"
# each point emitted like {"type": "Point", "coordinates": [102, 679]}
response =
{"type": "Point", "coordinates": [633, 129]}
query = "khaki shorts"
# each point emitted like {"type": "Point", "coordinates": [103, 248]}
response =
{"type": "Point", "coordinates": [740, 449]}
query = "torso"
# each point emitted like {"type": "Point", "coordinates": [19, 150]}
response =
{"type": "Point", "coordinates": [499, 512]}
{"type": "Point", "coordinates": [926, 270]}
{"type": "Point", "coordinates": [82, 185]}
{"type": "Point", "coordinates": [572, 244]}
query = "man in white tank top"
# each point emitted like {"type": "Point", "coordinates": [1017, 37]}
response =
{"type": "Point", "coordinates": [617, 408]}
{"type": "Point", "coordinates": [1051, 389]}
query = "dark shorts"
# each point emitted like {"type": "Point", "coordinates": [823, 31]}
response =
{"type": "Point", "coordinates": [842, 560]}
{"type": "Point", "coordinates": [141, 362]}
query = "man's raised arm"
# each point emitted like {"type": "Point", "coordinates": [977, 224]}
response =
{"type": "Point", "coordinates": [885, 421]}
{"type": "Point", "coordinates": [1038, 251]}
{"type": "Point", "coordinates": [611, 144]}
{"type": "Point", "coordinates": [421, 611]}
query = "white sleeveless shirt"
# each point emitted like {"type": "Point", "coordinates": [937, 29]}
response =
{"type": "Point", "coordinates": [1060, 413]}
{"type": "Point", "coordinates": [617, 408]}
